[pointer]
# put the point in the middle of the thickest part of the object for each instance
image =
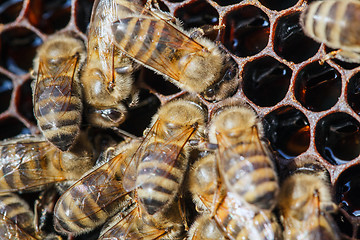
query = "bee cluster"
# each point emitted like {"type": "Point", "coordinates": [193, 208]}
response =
{"type": "Point", "coordinates": [266, 83]}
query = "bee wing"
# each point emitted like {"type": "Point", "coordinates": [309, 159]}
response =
{"type": "Point", "coordinates": [239, 165]}
{"type": "Point", "coordinates": [53, 90]}
{"type": "Point", "coordinates": [25, 166]}
{"type": "Point", "coordinates": [10, 230]}
{"type": "Point", "coordinates": [153, 41]}
{"type": "Point", "coordinates": [97, 191]}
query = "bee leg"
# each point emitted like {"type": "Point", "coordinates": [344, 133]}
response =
{"type": "Point", "coordinates": [347, 56]}
{"type": "Point", "coordinates": [204, 30]}
{"type": "Point", "coordinates": [329, 56]}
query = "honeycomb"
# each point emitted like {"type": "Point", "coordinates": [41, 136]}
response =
{"type": "Point", "coordinates": [309, 110]}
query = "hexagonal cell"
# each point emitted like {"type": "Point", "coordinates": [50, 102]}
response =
{"type": "Point", "coordinates": [17, 49]}
{"type": "Point", "coordinates": [318, 87]}
{"type": "Point", "coordinates": [83, 14]}
{"type": "Point", "coordinates": [198, 14]}
{"type": "Point", "coordinates": [25, 104]}
{"type": "Point", "coordinates": [353, 93]}
{"type": "Point", "coordinates": [10, 127]}
{"type": "Point", "coordinates": [227, 2]}
{"type": "Point", "coordinates": [348, 190]}
{"type": "Point", "coordinates": [9, 10]}
{"type": "Point", "coordinates": [6, 87]}
{"type": "Point", "coordinates": [278, 5]}
{"type": "Point", "coordinates": [343, 224]}
{"type": "Point", "coordinates": [266, 81]}
{"type": "Point", "coordinates": [337, 138]}
{"type": "Point", "coordinates": [246, 31]}
{"type": "Point", "coordinates": [288, 131]}
{"type": "Point", "coordinates": [49, 16]}
{"type": "Point", "coordinates": [290, 41]}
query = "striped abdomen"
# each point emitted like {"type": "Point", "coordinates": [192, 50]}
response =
{"type": "Point", "coordinates": [89, 203]}
{"type": "Point", "coordinates": [58, 109]}
{"type": "Point", "coordinates": [18, 211]}
{"type": "Point", "coordinates": [334, 22]}
{"type": "Point", "coordinates": [24, 166]}
{"type": "Point", "coordinates": [246, 224]}
{"type": "Point", "coordinates": [249, 172]}
{"type": "Point", "coordinates": [159, 176]}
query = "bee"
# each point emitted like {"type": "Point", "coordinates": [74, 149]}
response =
{"type": "Point", "coordinates": [334, 22]}
{"type": "Point", "coordinates": [17, 220]}
{"type": "Point", "coordinates": [97, 195]}
{"type": "Point", "coordinates": [205, 227]}
{"type": "Point", "coordinates": [188, 60]}
{"type": "Point", "coordinates": [234, 219]}
{"type": "Point", "coordinates": [245, 165]}
{"type": "Point", "coordinates": [128, 224]}
{"type": "Point", "coordinates": [107, 77]}
{"type": "Point", "coordinates": [162, 158]}
{"type": "Point", "coordinates": [305, 205]}
{"type": "Point", "coordinates": [31, 163]}
{"type": "Point", "coordinates": [57, 96]}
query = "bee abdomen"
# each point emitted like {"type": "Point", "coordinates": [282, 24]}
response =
{"type": "Point", "coordinates": [333, 22]}
{"type": "Point", "coordinates": [17, 210]}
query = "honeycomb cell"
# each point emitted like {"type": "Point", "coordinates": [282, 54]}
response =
{"type": "Point", "coordinates": [290, 41]}
{"type": "Point", "coordinates": [288, 131]}
{"type": "Point", "coordinates": [278, 5]}
{"type": "Point", "coordinates": [11, 127]}
{"type": "Point", "coordinates": [83, 14]}
{"type": "Point", "coordinates": [266, 81]}
{"type": "Point", "coordinates": [49, 16]}
{"type": "Point", "coordinates": [337, 138]}
{"type": "Point", "coordinates": [318, 87]}
{"type": "Point", "coordinates": [6, 87]}
{"type": "Point", "coordinates": [227, 2]}
{"type": "Point", "coordinates": [343, 224]}
{"type": "Point", "coordinates": [197, 14]}
{"type": "Point", "coordinates": [9, 10]}
{"type": "Point", "coordinates": [246, 31]}
{"type": "Point", "coordinates": [353, 93]}
{"type": "Point", "coordinates": [17, 49]}
{"type": "Point", "coordinates": [348, 190]}
{"type": "Point", "coordinates": [25, 105]}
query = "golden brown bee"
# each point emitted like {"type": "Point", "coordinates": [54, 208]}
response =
{"type": "Point", "coordinates": [57, 93]}
{"type": "Point", "coordinates": [245, 165]}
{"type": "Point", "coordinates": [30, 163]}
{"type": "Point", "coordinates": [17, 220]}
{"type": "Point", "coordinates": [191, 62]}
{"type": "Point", "coordinates": [98, 195]}
{"type": "Point", "coordinates": [305, 205]}
{"type": "Point", "coordinates": [162, 158]}
{"type": "Point", "coordinates": [235, 219]}
{"type": "Point", "coordinates": [128, 224]}
{"type": "Point", "coordinates": [106, 79]}
{"type": "Point", "coordinates": [205, 228]}
{"type": "Point", "coordinates": [335, 23]}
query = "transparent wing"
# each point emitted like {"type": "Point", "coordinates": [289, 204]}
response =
{"type": "Point", "coordinates": [153, 41]}
{"type": "Point", "coordinates": [153, 150]}
{"type": "Point", "coordinates": [25, 166]}
{"type": "Point", "coordinates": [10, 231]}
{"type": "Point", "coordinates": [97, 191]}
{"type": "Point", "coordinates": [53, 90]}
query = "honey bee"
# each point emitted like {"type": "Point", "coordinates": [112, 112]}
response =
{"type": "Point", "coordinates": [191, 62]}
{"type": "Point", "coordinates": [57, 93]}
{"type": "Point", "coordinates": [305, 205]}
{"type": "Point", "coordinates": [334, 22]}
{"type": "Point", "coordinates": [162, 158]}
{"type": "Point", "coordinates": [245, 165]}
{"type": "Point", "coordinates": [107, 77]}
{"type": "Point", "coordinates": [128, 224]}
{"type": "Point", "coordinates": [30, 163]}
{"type": "Point", "coordinates": [98, 195]}
{"type": "Point", "coordinates": [235, 219]}
{"type": "Point", "coordinates": [17, 220]}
